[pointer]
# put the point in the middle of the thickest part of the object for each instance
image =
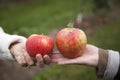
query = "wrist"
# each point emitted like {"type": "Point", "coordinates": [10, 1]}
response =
{"type": "Point", "coordinates": [93, 55]}
{"type": "Point", "coordinates": [102, 62]}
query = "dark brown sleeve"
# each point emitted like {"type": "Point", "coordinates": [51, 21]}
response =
{"type": "Point", "coordinates": [102, 63]}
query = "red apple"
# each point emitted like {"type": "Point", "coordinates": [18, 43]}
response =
{"type": "Point", "coordinates": [71, 42]}
{"type": "Point", "coordinates": [39, 44]}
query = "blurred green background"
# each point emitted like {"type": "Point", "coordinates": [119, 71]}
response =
{"type": "Point", "coordinates": [26, 17]}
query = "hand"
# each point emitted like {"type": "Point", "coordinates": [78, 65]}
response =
{"type": "Point", "coordinates": [89, 57]}
{"type": "Point", "coordinates": [20, 54]}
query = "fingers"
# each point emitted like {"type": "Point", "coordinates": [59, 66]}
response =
{"type": "Point", "coordinates": [21, 60]}
{"type": "Point", "coordinates": [28, 59]}
{"type": "Point", "coordinates": [22, 57]}
{"type": "Point", "coordinates": [60, 59]}
{"type": "Point", "coordinates": [57, 57]}
{"type": "Point", "coordinates": [73, 61]}
{"type": "Point", "coordinates": [40, 61]}
{"type": "Point", "coordinates": [79, 60]}
{"type": "Point", "coordinates": [47, 59]}
{"type": "Point", "coordinates": [25, 60]}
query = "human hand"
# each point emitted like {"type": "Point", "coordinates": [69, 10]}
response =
{"type": "Point", "coordinates": [20, 54]}
{"type": "Point", "coordinates": [89, 57]}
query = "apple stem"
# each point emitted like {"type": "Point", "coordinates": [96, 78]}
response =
{"type": "Point", "coordinates": [70, 24]}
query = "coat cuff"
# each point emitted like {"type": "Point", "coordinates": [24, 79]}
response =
{"type": "Point", "coordinates": [112, 65]}
{"type": "Point", "coordinates": [5, 41]}
{"type": "Point", "coordinates": [108, 64]}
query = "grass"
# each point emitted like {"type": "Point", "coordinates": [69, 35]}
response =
{"type": "Point", "coordinates": [67, 72]}
{"type": "Point", "coordinates": [43, 16]}
{"type": "Point", "coordinates": [39, 17]}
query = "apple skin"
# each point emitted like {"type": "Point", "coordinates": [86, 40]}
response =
{"type": "Point", "coordinates": [39, 44]}
{"type": "Point", "coordinates": [71, 42]}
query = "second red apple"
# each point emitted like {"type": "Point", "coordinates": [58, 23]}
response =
{"type": "Point", "coordinates": [71, 42]}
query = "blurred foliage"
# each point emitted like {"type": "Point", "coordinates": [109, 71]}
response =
{"type": "Point", "coordinates": [39, 17]}
{"type": "Point", "coordinates": [107, 36]}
